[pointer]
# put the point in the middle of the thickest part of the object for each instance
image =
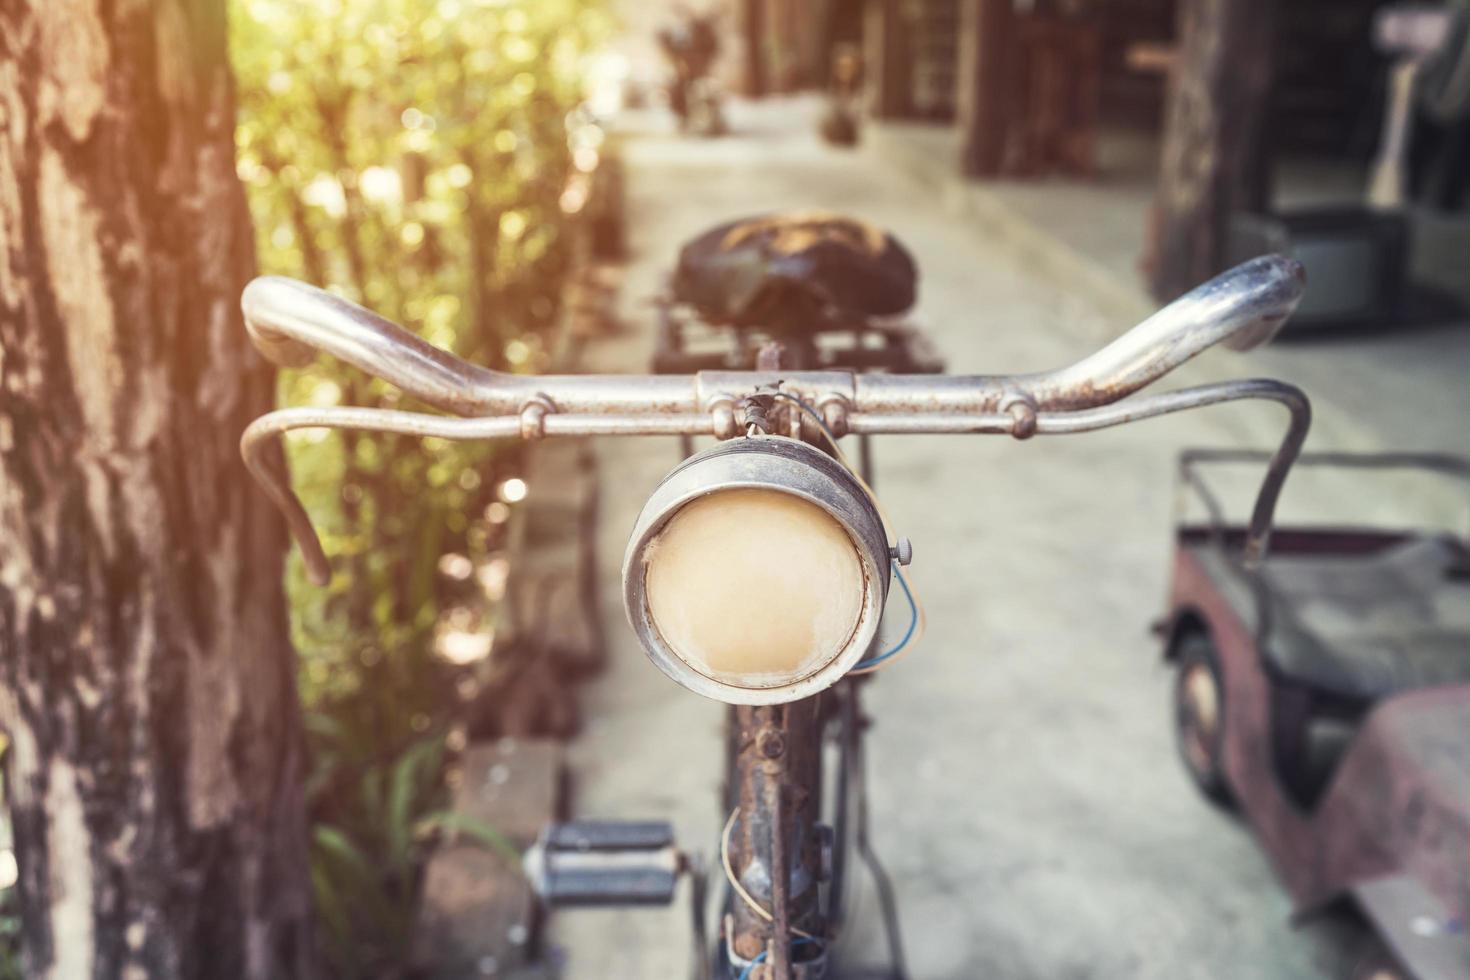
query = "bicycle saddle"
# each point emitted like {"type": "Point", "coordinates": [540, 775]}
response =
{"type": "Point", "coordinates": [797, 271]}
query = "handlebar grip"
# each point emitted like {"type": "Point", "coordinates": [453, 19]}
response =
{"type": "Point", "coordinates": [258, 302]}
{"type": "Point", "coordinates": [1264, 291]}
{"type": "Point", "coordinates": [1242, 308]}
{"type": "Point", "coordinates": [289, 321]}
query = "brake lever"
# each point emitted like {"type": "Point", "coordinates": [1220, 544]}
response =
{"type": "Point", "coordinates": [260, 438]}
{"type": "Point", "coordinates": [1290, 397]}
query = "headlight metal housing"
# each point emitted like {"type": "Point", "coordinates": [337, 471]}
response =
{"type": "Point", "coordinates": [774, 463]}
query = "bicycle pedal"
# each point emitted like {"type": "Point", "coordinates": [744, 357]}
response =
{"type": "Point", "coordinates": [593, 863]}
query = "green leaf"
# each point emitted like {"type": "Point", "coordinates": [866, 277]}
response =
{"type": "Point", "coordinates": [371, 791]}
{"type": "Point", "coordinates": [356, 878]}
{"type": "Point", "coordinates": [330, 907]}
{"type": "Point", "coordinates": [325, 727]}
{"type": "Point", "coordinates": [482, 833]}
{"type": "Point", "coordinates": [323, 91]}
{"type": "Point", "coordinates": [416, 769]}
{"type": "Point", "coordinates": [336, 845]}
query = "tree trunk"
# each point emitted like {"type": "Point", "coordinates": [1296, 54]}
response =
{"type": "Point", "coordinates": [146, 680]}
{"type": "Point", "coordinates": [1215, 162]}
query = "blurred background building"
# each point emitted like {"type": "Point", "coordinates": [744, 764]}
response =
{"type": "Point", "coordinates": [1207, 121]}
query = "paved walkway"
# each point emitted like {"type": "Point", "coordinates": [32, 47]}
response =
{"type": "Point", "coordinates": [1027, 797]}
{"type": "Point", "coordinates": [1090, 234]}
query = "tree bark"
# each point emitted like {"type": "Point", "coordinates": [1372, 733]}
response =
{"type": "Point", "coordinates": [146, 680]}
{"type": "Point", "coordinates": [1215, 161]}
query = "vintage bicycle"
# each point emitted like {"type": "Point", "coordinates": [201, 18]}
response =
{"type": "Point", "coordinates": [759, 569]}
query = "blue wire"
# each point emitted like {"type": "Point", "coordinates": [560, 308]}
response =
{"type": "Point", "coordinates": [760, 958]}
{"type": "Point", "coordinates": [908, 633]}
{"type": "Point", "coordinates": [745, 973]}
{"type": "Point", "coordinates": [903, 583]}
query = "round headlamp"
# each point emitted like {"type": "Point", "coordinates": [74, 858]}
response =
{"type": "Point", "coordinates": [757, 572]}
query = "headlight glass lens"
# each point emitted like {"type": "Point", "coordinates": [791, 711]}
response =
{"type": "Point", "coordinates": [754, 588]}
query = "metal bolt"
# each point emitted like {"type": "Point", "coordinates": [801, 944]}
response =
{"type": "Point", "coordinates": [533, 416]}
{"type": "Point", "coordinates": [834, 413]}
{"type": "Point", "coordinates": [1023, 416]}
{"type": "Point", "coordinates": [903, 551]}
{"type": "Point", "coordinates": [722, 412]}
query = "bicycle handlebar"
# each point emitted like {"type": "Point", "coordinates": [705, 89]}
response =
{"type": "Point", "coordinates": [1242, 308]}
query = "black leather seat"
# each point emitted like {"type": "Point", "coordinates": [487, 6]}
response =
{"type": "Point", "coordinates": [1365, 627]}
{"type": "Point", "coordinates": [795, 271]}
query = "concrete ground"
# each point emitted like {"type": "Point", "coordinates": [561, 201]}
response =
{"type": "Point", "coordinates": [1088, 235]}
{"type": "Point", "coordinates": [1026, 794]}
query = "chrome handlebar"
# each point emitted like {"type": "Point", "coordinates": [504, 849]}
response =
{"type": "Point", "coordinates": [1242, 308]}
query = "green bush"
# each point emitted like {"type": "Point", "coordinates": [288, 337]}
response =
{"type": "Point", "coordinates": [415, 157]}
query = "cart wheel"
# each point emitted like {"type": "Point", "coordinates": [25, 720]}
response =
{"type": "Point", "coordinates": [1199, 716]}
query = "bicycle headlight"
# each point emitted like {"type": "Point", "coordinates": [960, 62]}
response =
{"type": "Point", "coordinates": [757, 572]}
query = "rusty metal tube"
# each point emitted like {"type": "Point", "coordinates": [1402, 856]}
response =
{"type": "Point", "coordinates": [1135, 410]}
{"type": "Point", "coordinates": [1288, 396]}
{"type": "Point", "coordinates": [1241, 308]}
{"type": "Point", "coordinates": [779, 944]}
{"type": "Point", "coordinates": [258, 442]}
{"type": "Point", "coordinates": [260, 448]}
{"type": "Point", "coordinates": [289, 320]}
{"type": "Point", "coordinates": [258, 438]}
{"type": "Point", "coordinates": [950, 423]}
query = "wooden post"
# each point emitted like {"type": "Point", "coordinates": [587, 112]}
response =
{"type": "Point", "coordinates": [780, 54]}
{"type": "Point", "coordinates": [753, 29]}
{"type": "Point", "coordinates": [985, 89]}
{"type": "Point", "coordinates": [886, 53]}
{"type": "Point", "coordinates": [821, 38]}
{"type": "Point", "coordinates": [1214, 160]}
